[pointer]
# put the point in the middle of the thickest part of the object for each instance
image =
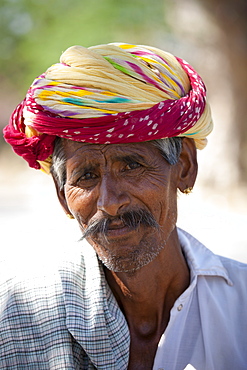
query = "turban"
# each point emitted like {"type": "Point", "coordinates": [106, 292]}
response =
{"type": "Point", "coordinates": [105, 94]}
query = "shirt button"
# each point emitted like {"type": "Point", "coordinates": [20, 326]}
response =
{"type": "Point", "coordinates": [180, 307]}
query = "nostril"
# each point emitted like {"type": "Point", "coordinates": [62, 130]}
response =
{"type": "Point", "coordinates": [111, 207]}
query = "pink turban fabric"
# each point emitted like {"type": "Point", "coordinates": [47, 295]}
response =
{"type": "Point", "coordinates": [114, 93]}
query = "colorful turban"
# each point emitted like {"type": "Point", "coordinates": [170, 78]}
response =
{"type": "Point", "coordinates": [113, 93]}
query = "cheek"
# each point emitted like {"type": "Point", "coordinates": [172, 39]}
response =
{"type": "Point", "coordinates": [162, 199]}
{"type": "Point", "coordinates": [168, 206]}
{"type": "Point", "coordinates": [154, 191]}
{"type": "Point", "coordinates": [80, 203]}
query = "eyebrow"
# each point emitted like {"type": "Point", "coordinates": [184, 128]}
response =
{"type": "Point", "coordinates": [130, 158]}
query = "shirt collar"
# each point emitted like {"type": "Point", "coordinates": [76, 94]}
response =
{"type": "Point", "coordinates": [92, 314]}
{"type": "Point", "coordinates": [201, 260]}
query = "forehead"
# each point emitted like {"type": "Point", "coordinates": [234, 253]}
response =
{"type": "Point", "coordinates": [111, 151]}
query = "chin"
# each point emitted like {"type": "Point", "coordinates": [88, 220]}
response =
{"type": "Point", "coordinates": [130, 262]}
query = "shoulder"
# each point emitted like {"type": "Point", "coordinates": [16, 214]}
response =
{"type": "Point", "coordinates": [26, 291]}
{"type": "Point", "coordinates": [232, 264]}
{"type": "Point", "coordinates": [237, 272]}
{"type": "Point", "coordinates": [35, 281]}
{"type": "Point", "coordinates": [204, 263]}
{"type": "Point", "coordinates": [32, 301]}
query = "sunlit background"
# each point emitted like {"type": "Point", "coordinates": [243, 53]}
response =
{"type": "Point", "coordinates": [210, 35]}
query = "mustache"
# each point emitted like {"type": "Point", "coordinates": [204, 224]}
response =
{"type": "Point", "coordinates": [132, 219]}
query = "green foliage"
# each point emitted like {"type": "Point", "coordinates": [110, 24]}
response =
{"type": "Point", "coordinates": [35, 32]}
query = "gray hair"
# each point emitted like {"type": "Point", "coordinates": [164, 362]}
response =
{"type": "Point", "coordinates": [170, 149]}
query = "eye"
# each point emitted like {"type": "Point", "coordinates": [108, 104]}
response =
{"type": "Point", "coordinates": [88, 176]}
{"type": "Point", "coordinates": [86, 180]}
{"type": "Point", "coordinates": [83, 177]}
{"type": "Point", "coordinates": [132, 166]}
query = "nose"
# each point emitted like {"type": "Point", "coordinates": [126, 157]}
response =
{"type": "Point", "coordinates": [112, 198]}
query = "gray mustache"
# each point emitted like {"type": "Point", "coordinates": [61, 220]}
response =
{"type": "Point", "coordinates": [132, 219]}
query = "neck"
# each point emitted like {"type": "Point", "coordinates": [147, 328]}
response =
{"type": "Point", "coordinates": [147, 295]}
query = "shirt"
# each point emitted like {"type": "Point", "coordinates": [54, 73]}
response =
{"type": "Point", "coordinates": [68, 318]}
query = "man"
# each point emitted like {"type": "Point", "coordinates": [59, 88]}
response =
{"type": "Point", "coordinates": [118, 126]}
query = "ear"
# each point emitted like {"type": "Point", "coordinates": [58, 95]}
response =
{"type": "Point", "coordinates": [61, 197]}
{"type": "Point", "coordinates": [187, 165]}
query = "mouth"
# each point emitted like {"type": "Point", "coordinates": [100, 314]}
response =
{"type": "Point", "coordinates": [118, 228]}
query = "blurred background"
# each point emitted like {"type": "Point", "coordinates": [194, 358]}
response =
{"type": "Point", "coordinates": [210, 34]}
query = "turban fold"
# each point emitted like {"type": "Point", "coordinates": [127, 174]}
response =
{"type": "Point", "coordinates": [113, 93]}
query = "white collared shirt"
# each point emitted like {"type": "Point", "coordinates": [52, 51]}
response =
{"type": "Point", "coordinates": [208, 322]}
{"type": "Point", "coordinates": [68, 318]}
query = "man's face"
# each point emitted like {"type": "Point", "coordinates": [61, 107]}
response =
{"type": "Point", "coordinates": [104, 182]}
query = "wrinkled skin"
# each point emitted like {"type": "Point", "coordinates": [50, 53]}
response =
{"type": "Point", "coordinates": [143, 264]}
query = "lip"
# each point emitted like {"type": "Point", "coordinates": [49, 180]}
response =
{"type": "Point", "coordinates": [119, 231]}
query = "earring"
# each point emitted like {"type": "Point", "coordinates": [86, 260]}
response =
{"type": "Point", "coordinates": [188, 190]}
{"type": "Point", "coordinates": [70, 216]}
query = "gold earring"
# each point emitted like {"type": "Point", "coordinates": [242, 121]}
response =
{"type": "Point", "coordinates": [70, 216]}
{"type": "Point", "coordinates": [188, 190]}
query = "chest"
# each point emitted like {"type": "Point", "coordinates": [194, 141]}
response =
{"type": "Point", "coordinates": [142, 353]}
